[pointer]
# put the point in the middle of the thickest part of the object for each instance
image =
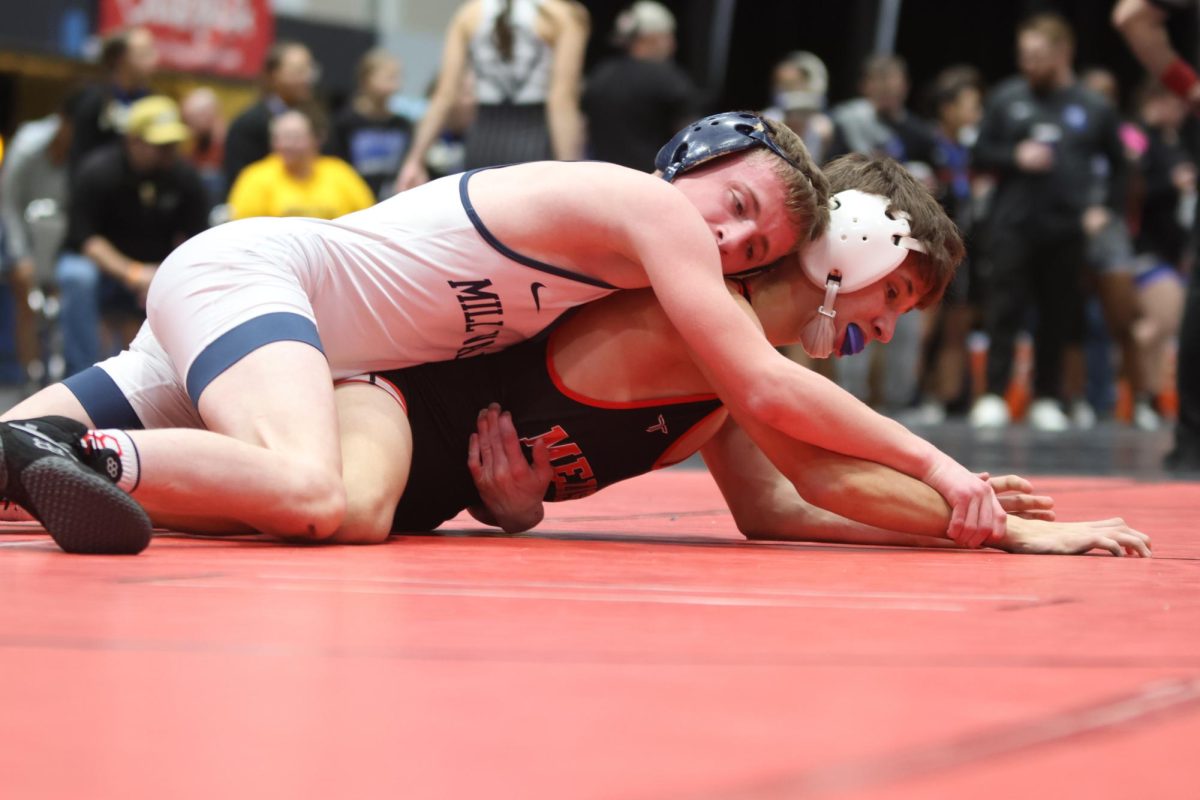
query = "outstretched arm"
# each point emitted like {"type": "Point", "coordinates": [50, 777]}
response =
{"type": "Point", "coordinates": [1143, 25]}
{"type": "Point", "coordinates": [449, 84]}
{"type": "Point", "coordinates": [859, 502]}
{"type": "Point", "coordinates": [773, 395]}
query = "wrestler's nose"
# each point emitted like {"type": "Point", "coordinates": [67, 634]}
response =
{"type": "Point", "coordinates": [884, 327]}
{"type": "Point", "coordinates": [735, 236]}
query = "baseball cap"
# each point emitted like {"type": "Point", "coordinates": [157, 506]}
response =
{"type": "Point", "coordinates": [156, 120]}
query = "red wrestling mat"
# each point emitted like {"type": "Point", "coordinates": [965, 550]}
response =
{"type": "Point", "coordinates": [626, 652]}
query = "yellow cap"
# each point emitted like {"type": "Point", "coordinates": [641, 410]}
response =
{"type": "Point", "coordinates": [155, 120]}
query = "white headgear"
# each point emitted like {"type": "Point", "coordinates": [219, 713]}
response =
{"type": "Point", "coordinates": [863, 243]}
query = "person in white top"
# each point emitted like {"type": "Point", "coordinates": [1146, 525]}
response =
{"type": "Point", "coordinates": [257, 327]}
{"type": "Point", "coordinates": [527, 58]}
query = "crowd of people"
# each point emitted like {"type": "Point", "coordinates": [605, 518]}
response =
{"type": "Point", "coordinates": [1075, 196]}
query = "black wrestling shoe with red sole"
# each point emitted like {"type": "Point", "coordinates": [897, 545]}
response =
{"type": "Point", "coordinates": [80, 508]}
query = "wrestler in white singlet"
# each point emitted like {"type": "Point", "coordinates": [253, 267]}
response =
{"type": "Point", "coordinates": [414, 279]}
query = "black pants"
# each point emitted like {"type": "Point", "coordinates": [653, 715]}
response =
{"type": "Point", "coordinates": [1187, 369]}
{"type": "Point", "coordinates": [1024, 265]}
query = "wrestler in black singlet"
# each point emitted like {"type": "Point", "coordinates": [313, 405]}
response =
{"type": "Point", "coordinates": [592, 444]}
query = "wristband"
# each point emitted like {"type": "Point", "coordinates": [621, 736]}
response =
{"type": "Point", "coordinates": [1179, 77]}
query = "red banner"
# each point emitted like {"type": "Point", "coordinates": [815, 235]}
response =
{"type": "Point", "coordinates": [224, 37]}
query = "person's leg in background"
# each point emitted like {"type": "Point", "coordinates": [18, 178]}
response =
{"type": "Point", "coordinates": [1160, 296]}
{"type": "Point", "coordinates": [1006, 275]}
{"type": "Point", "coordinates": [1058, 296]}
{"type": "Point", "coordinates": [78, 281]}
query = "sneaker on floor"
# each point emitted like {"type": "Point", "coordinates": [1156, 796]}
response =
{"type": "Point", "coordinates": [40, 470]}
{"type": "Point", "coordinates": [989, 411]}
{"type": "Point", "coordinates": [1083, 416]}
{"type": "Point", "coordinates": [1145, 418]}
{"type": "Point", "coordinates": [1045, 414]}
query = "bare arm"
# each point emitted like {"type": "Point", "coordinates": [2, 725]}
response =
{"type": "Point", "coordinates": [134, 274]}
{"type": "Point", "coordinates": [776, 395]}
{"type": "Point", "coordinates": [449, 84]}
{"type": "Point", "coordinates": [1144, 27]}
{"type": "Point", "coordinates": [562, 101]}
{"type": "Point", "coordinates": [860, 502]}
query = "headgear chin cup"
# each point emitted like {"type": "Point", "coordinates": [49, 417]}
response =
{"type": "Point", "coordinates": [862, 244]}
{"type": "Point", "coordinates": [713, 137]}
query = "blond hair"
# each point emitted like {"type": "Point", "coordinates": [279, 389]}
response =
{"type": "Point", "coordinates": [807, 189]}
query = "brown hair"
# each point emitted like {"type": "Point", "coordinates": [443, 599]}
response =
{"type": "Point", "coordinates": [1053, 26]}
{"type": "Point", "coordinates": [930, 224]}
{"type": "Point", "coordinates": [807, 201]}
{"type": "Point", "coordinates": [502, 32]}
{"type": "Point", "coordinates": [317, 119]}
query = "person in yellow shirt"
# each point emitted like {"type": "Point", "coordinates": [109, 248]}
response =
{"type": "Point", "coordinates": [296, 180]}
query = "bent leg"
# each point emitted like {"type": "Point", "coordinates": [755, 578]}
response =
{"type": "Point", "coordinates": [270, 459]}
{"type": "Point", "coordinates": [376, 443]}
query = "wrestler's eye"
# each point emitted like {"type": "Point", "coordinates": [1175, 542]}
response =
{"type": "Point", "coordinates": [737, 203]}
{"type": "Point", "coordinates": [750, 252]}
{"type": "Point", "coordinates": [892, 294]}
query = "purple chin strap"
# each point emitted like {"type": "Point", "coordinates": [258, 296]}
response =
{"type": "Point", "coordinates": [854, 342]}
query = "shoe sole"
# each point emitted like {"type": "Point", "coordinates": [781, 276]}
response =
{"type": "Point", "coordinates": [83, 512]}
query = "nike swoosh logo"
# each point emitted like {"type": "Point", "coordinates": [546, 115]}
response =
{"type": "Point", "coordinates": [535, 288]}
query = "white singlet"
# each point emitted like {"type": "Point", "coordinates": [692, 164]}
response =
{"type": "Point", "coordinates": [414, 279]}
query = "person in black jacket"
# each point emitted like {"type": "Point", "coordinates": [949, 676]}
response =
{"type": "Point", "coordinates": [129, 59]}
{"type": "Point", "coordinates": [289, 74]}
{"type": "Point", "coordinates": [1042, 136]}
{"type": "Point", "coordinates": [635, 101]}
{"type": "Point", "coordinates": [366, 133]}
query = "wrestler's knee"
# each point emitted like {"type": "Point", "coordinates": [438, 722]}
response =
{"type": "Point", "coordinates": [368, 519]}
{"type": "Point", "coordinates": [312, 504]}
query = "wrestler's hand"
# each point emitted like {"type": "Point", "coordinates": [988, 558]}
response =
{"type": "Point", "coordinates": [1073, 538]}
{"type": "Point", "coordinates": [976, 516]}
{"type": "Point", "coordinates": [1016, 497]}
{"type": "Point", "coordinates": [511, 488]}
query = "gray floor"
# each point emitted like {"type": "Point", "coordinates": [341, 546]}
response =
{"type": "Point", "coordinates": [1108, 449]}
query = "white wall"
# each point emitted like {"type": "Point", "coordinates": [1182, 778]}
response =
{"type": "Point", "coordinates": [412, 29]}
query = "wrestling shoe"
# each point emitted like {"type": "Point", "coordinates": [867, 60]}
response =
{"type": "Point", "coordinates": [41, 470]}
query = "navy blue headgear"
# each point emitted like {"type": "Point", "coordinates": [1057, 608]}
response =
{"type": "Point", "coordinates": [713, 137]}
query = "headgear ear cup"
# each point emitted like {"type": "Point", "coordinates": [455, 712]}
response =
{"type": "Point", "coordinates": [862, 244]}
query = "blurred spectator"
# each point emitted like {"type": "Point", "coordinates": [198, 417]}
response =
{"type": "Point", "coordinates": [201, 112]}
{"type": "Point", "coordinates": [1143, 24]}
{"type": "Point", "coordinates": [798, 92]}
{"type": "Point", "coordinates": [527, 57]}
{"type": "Point", "coordinates": [129, 59]}
{"type": "Point", "coordinates": [1164, 222]}
{"type": "Point", "coordinates": [367, 134]}
{"type": "Point", "coordinates": [958, 105]}
{"type": "Point", "coordinates": [33, 206]}
{"type": "Point", "coordinates": [289, 75]}
{"type": "Point", "coordinates": [1041, 134]}
{"type": "Point", "coordinates": [1109, 279]}
{"type": "Point", "coordinates": [879, 123]}
{"type": "Point", "coordinates": [448, 153]}
{"type": "Point", "coordinates": [295, 180]}
{"type": "Point", "coordinates": [132, 202]}
{"type": "Point", "coordinates": [636, 101]}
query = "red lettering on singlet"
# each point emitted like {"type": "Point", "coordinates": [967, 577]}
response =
{"type": "Point", "coordinates": [573, 478]}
